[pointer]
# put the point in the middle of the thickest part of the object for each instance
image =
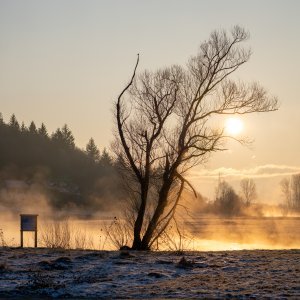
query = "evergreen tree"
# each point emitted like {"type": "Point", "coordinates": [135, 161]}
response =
{"type": "Point", "coordinates": [64, 137]}
{"type": "Point", "coordinates": [29, 154]}
{"type": "Point", "coordinates": [92, 151]}
{"type": "Point", "coordinates": [23, 127]}
{"type": "Point", "coordinates": [32, 128]}
{"type": "Point", "coordinates": [106, 159]}
{"type": "Point", "coordinates": [13, 123]}
{"type": "Point", "coordinates": [1, 119]}
{"type": "Point", "coordinates": [68, 137]}
{"type": "Point", "coordinates": [57, 136]}
{"type": "Point", "coordinates": [43, 131]}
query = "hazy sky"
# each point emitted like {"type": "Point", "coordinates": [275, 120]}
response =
{"type": "Point", "coordinates": [66, 61]}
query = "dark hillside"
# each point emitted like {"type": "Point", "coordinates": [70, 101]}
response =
{"type": "Point", "coordinates": [69, 175]}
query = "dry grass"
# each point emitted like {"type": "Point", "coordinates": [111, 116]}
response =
{"type": "Point", "coordinates": [62, 235]}
{"type": "Point", "coordinates": [117, 233]}
{"type": "Point", "coordinates": [176, 238]}
{"type": "Point", "coordinates": [2, 240]}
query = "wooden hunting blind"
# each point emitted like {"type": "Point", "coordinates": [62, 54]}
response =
{"type": "Point", "coordinates": [29, 223]}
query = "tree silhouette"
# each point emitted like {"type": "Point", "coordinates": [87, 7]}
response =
{"type": "Point", "coordinates": [227, 201]}
{"type": "Point", "coordinates": [287, 192]}
{"type": "Point", "coordinates": [32, 128]}
{"type": "Point", "coordinates": [1, 119]}
{"type": "Point", "coordinates": [295, 184]}
{"type": "Point", "coordinates": [26, 156]}
{"type": "Point", "coordinates": [23, 128]}
{"type": "Point", "coordinates": [164, 127]}
{"type": "Point", "coordinates": [57, 136]}
{"type": "Point", "coordinates": [106, 159]}
{"type": "Point", "coordinates": [13, 123]}
{"type": "Point", "coordinates": [42, 131]}
{"type": "Point", "coordinates": [290, 188]}
{"type": "Point", "coordinates": [92, 151]}
{"type": "Point", "coordinates": [248, 189]}
{"type": "Point", "coordinates": [68, 137]}
{"type": "Point", "coordinates": [64, 137]}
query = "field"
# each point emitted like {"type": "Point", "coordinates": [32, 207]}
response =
{"type": "Point", "coordinates": [34, 273]}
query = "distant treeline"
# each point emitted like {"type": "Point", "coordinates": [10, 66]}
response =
{"type": "Point", "coordinates": [32, 154]}
{"type": "Point", "coordinates": [89, 179]}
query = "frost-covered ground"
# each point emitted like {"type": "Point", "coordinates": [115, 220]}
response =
{"type": "Point", "coordinates": [35, 273]}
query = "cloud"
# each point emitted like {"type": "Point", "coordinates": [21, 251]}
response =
{"type": "Point", "coordinates": [264, 171]}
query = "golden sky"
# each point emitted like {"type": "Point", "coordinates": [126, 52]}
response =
{"type": "Point", "coordinates": [65, 62]}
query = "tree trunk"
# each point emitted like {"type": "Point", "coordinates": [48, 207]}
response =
{"type": "Point", "coordinates": [163, 195]}
{"type": "Point", "coordinates": [137, 241]}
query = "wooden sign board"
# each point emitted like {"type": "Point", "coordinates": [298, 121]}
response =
{"type": "Point", "coordinates": [29, 223]}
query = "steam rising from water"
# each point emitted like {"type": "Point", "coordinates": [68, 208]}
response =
{"type": "Point", "coordinates": [206, 233]}
{"type": "Point", "coordinates": [246, 233]}
{"type": "Point", "coordinates": [262, 227]}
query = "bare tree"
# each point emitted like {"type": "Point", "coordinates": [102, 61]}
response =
{"type": "Point", "coordinates": [227, 201]}
{"type": "Point", "coordinates": [164, 126]}
{"type": "Point", "coordinates": [248, 189]}
{"type": "Point", "coordinates": [286, 192]}
{"type": "Point", "coordinates": [290, 188]}
{"type": "Point", "coordinates": [295, 182]}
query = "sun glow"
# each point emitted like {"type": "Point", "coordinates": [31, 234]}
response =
{"type": "Point", "coordinates": [234, 126]}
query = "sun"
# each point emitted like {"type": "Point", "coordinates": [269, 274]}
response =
{"type": "Point", "coordinates": [234, 126]}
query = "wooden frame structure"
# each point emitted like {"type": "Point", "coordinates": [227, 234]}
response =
{"type": "Point", "coordinates": [28, 222]}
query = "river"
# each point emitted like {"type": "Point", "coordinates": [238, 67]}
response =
{"type": "Point", "coordinates": [203, 233]}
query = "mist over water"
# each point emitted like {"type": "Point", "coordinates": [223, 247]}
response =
{"type": "Point", "coordinates": [207, 233]}
{"type": "Point", "coordinates": [215, 233]}
{"type": "Point", "coordinates": [258, 227]}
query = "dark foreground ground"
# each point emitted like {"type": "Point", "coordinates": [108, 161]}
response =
{"type": "Point", "coordinates": [41, 273]}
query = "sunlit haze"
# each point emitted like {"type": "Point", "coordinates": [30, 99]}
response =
{"type": "Point", "coordinates": [234, 126]}
{"type": "Point", "coordinates": [66, 61]}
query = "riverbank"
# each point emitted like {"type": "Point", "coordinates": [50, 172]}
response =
{"type": "Point", "coordinates": [42, 272]}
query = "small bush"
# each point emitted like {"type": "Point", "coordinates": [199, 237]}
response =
{"type": "Point", "coordinates": [184, 263]}
{"type": "Point", "coordinates": [118, 233]}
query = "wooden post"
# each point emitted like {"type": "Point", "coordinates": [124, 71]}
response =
{"type": "Point", "coordinates": [35, 239]}
{"type": "Point", "coordinates": [21, 238]}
